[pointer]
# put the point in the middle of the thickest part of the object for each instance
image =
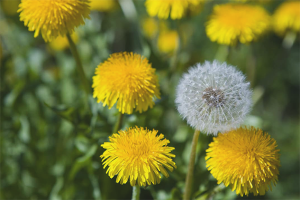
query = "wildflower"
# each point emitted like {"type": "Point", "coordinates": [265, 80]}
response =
{"type": "Point", "coordinates": [287, 18]}
{"type": "Point", "coordinates": [53, 18]}
{"type": "Point", "coordinates": [246, 159]}
{"type": "Point", "coordinates": [175, 8]}
{"type": "Point", "coordinates": [213, 97]}
{"type": "Point", "coordinates": [232, 23]}
{"type": "Point", "coordinates": [127, 78]}
{"type": "Point", "coordinates": [168, 41]}
{"type": "Point", "coordinates": [103, 5]}
{"type": "Point", "coordinates": [138, 154]}
{"type": "Point", "coordinates": [150, 27]}
{"type": "Point", "coordinates": [60, 43]}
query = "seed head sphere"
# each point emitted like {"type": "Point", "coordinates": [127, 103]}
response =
{"type": "Point", "coordinates": [213, 97]}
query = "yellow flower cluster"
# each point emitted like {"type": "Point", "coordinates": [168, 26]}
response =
{"type": "Point", "coordinates": [139, 155]}
{"type": "Point", "coordinates": [287, 18]}
{"type": "Point", "coordinates": [127, 79]}
{"type": "Point", "coordinates": [233, 23]}
{"type": "Point", "coordinates": [168, 41]}
{"type": "Point", "coordinates": [244, 159]}
{"type": "Point", "coordinates": [53, 18]}
{"type": "Point", "coordinates": [173, 8]}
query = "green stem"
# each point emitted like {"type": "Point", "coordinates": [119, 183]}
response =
{"type": "Point", "coordinates": [82, 76]}
{"type": "Point", "coordinates": [289, 39]}
{"type": "Point", "coordinates": [119, 123]}
{"type": "Point", "coordinates": [136, 192]}
{"type": "Point", "coordinates": [222, 53]}
{"type": "Point", "coordinates": [174, 59]}
{"type": "Point", "coordinates": [251, 68]}
{"type": "Point", "coordinates": [189, 176]}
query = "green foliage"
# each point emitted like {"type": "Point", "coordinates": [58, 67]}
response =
{"type": "Point", "coordinates": [51, 133]}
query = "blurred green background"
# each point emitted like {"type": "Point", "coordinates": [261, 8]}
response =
{"type": "Point", "coordinates": [51, 133]}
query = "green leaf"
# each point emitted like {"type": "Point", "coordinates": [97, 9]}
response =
{"type": "Point", "coordinates": [83, 161]}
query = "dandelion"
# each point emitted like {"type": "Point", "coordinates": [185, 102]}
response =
{"type": "Point", "coordinates": [168, 41]}
{"type": "Point", "coordinates": [53, 18]}
{"type": "Point", "coordinates": [103, 5]}
{"type": "Point", "coordinates": [127, 78]}
{"type": "Point", "coordinates": [139, 155]}
{"type": "Point", "coordinates": [213, 97]}
{"type": "Point", "coordinates": [60, 43]}
{"type": "Point", "coordinates": [287, 18]}
{"type": "Point", "coordinates": [150, 27]}
{"type": "Point", "coordinates": [232, 23]}
{"type": "Point", "coordinates": [246, 159]}
{"type": "Point", "coordinates": [175, 8]}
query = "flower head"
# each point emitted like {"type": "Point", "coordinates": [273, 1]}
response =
{"type": "Point", "coordinates": [246, 159]}
{"type": "Point", "coordinates": [287, 17]}
{"type": "Point", "coordinates": [53, 18]}
{"type": "Point", "coordinates": [213, 97]}
{"type": "Point", "coordinates": [103, 5]}
{"type": "Point", "coordinates": [168, 41]}
{"type": "Point", "coordinates": [127, 78]}
{"type": "Point", "coordinates": [175, 8]}
{"type": "Point", "coordinates": [150, 27]}
{"type": "Point", "coordinates": [232, 23]}
{"type": "Point", "coordinates": [138, 154]}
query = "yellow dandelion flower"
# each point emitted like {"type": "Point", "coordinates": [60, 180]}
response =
{"type": "Point", "coordinates": [53, 18]}
{"type": "Point", "coordinates": [175, 8]}
{"type": "Point", "coordinates": [232, 23]}
{"type": "Point", "coordinates": [150, 27]}
{"type": "Point", "coordinates": [127, 78]}
{"type": "Point", "coordinates": [61, 42]}
{"type": "Point", "coordinates": [103, 5]}
{"type": "Point", "coordinates": [287, 17]}
{"type": "Point", "coordinates": [168, 41]}
{"type": "Point", "coordinates": [139, 155]}
{"type": "Point", "coordinates": [246, 159]}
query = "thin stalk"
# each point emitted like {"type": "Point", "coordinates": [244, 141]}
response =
{"type": "Point", "coordinates": [222, 53]}
{"type": "Point", "coordinates": [136, 192]}
{"type": "Point", "coordinates": [118, 123]}
{"type": "Point", "coordinates": [289, 39]}
{"type": "Point", "coordinates": [174, 59]}
{"type": "Point", "coordinates": [251, 68]}
{"type": "Point", "coordinates": [189, 176]}
{"type": "Point", "coordinates": [82, 76]}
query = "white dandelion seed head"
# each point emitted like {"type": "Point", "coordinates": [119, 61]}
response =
{"type": "Point", "coordinates": [213, 97]}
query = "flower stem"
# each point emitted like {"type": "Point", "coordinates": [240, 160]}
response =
{"type": "Point", "coordinates": [289, 39]}
{"type": "Point", "coordinates": [222, 53]}
{"type": "Point", "coordinates": [189, 176]}
{"type": "Point", "coordinates": [136, 192]}
{"type": "Point", "coordinates": [82, 76]}
{"type": "Point", "coordinates": [118, 123]}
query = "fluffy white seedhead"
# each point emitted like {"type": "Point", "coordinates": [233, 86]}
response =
{"type": "Point", "coordinates": [213, 97]}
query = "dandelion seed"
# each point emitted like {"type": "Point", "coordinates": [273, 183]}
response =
{"type": "Point", "coordinates": [246, 159]}
{"type": "Point", "coordinates": [139, 155]}
{"type": "Point", "coordinates": [213, 97]}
